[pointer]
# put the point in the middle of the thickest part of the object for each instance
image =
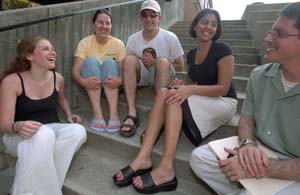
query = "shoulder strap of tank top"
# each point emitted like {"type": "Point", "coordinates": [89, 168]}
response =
{"type": "Point", "coordinates": [54, 78]}
{"type": "Point", "coordinates": [22, 83]}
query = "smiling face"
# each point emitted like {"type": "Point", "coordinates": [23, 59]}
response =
{"type": "Point", "coordinates": [150, 20]}
{"type": "Point", "coordinates": [281, 48]}
{"type": "Point", "coordinates": [206, 28]}
{"type": "Point", "coordinates": [102, 26]}
{"type": "Point", "coordinates": [43, 55]}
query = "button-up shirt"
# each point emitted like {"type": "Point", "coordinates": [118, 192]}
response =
{"type": "Point", "coordinates": [276, 113]}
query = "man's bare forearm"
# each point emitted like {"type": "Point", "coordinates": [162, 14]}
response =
{"type": "Point", "coordinates": [246, 128]}
{"type": "Point", "coordinates": [284, 169]}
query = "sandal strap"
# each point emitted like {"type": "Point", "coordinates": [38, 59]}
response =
{"type": "Point", "coordinates": [147, 180]}
{"type": "Point", "coordinates": [134, 119]}
{"type": "Point", "coordinates": [127, 125]}
{"type": "Point", "coordinates": [127, 172]}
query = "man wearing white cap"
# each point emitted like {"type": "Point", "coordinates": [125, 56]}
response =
{"type": "Point", "coordinates": [143, 71]}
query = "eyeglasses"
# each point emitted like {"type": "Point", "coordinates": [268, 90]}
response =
{"type": "Point", "coordinates": [277, 34]}
{"type": "Point", "coordinates": [151, 15]}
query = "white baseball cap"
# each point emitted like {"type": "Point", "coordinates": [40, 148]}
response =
{"type": "Point", "coordinates": [150, 4]}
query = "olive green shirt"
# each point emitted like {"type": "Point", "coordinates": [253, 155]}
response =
{"type": "Point", "coordinates": [276, 113]}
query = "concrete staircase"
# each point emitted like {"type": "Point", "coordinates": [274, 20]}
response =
{"type": "Point", "coordinates": [105, 153]}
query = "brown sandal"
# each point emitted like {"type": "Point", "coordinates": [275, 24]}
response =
{"type": "Point", "coordinates": [132, 128]}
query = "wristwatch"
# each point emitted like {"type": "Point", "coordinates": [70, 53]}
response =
{"type": "Point", "coordinates": [244, 142]}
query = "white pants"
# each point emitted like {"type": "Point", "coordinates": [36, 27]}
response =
{"type": "Point", "coordinates": [209, 113]}
{"type": "Point", "coordinates": [205, 165]}
{"type": "Point", "coordinates": [44, 159]}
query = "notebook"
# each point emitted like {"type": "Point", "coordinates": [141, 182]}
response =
{"type": "Point", "coordinates": [265, 185]}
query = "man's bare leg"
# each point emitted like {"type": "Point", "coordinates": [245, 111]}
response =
{"type": "Point", "coordinates": [130, 73]}
{"type": "Point", "coordinates": [162, 73]}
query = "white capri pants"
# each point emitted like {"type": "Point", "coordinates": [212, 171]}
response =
{"type": "Point", "coordinates": [209, 113]}
{"type": "Point", "coordinates": [205, 165]}
{"type": "Point", "coordinates": [44, 159]}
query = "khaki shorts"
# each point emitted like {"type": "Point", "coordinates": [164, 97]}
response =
{"type": "Point", "coordinates": [148, 75]}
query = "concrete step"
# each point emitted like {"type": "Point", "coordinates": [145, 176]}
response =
{"type": "Point", "coordinates": [245, 58]}
{"type": "Point", "coordinates": [189, 42]}
{"type": "Point", "coordinates": [6, 180]}
{"type": "Point", "coordinates": [183, 35]}
{"type": "Point", "coordinates": [185, 31]}
{"type": "Point", "coordinates": [224, 22]}
{"type": "Point", "coordinates": [92, 169]}
{"type": "Point", "coordinates": [240, 83]}
{"type": "Point", "coordinates": [235, 31]}
{"type": "Point", "coordinates": [237, 49]}
{"type": "Point", "coordinates": [242, 22]}
{"type": "Point", "coordinates": [224, 28]}
{"type": "Point", "coordinates": [105, 153]}
{"type": "Point", "coordinates": [236, 36]}
{"type": "Point", "coordinates": [243, 70]}
{"type": "Point", "coordinates": [234, 26]}
{"type": "Point", "coordinates": [244, 50]}
{"type": "Point", "coordinates": [224, 25]}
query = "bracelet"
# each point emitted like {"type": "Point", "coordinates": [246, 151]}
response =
{"type": "Point", "coordinates": [14, 127]}
{"type": "Point", "coordinates": [244, 142]}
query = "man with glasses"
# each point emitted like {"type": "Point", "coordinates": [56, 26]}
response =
{"type": "Point", "coordinates": [143, 71]}
{"type": "Point", "coordinates": [270, 117]}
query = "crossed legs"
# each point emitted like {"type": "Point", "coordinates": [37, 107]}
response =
{"type": "Point", "coordinates": [160, 112]}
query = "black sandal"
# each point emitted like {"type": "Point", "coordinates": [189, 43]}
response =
{"type": "Point", "coordinates": [149, 186]}
{"type": "Point", "coordinates": [132, 128]}
{"type": "Point", "coordinates": [129, 174]}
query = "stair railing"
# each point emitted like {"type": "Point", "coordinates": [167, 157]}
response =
{"type": "Point", "coordinates": [202, 4]}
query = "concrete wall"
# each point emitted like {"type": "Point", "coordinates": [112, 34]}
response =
{"type": "Point", "coordinates": [190, 10]}
{"type": "Point", "coordinates": [260, 17]}
{"type": "Point", "coordinates": [65, 33]}
{"type": "Point", "coordinates": [260, 7]}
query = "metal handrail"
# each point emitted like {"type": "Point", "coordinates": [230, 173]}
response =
{"type": "Point", "coordinates": [74, 13]}
{"type": "Point", "coordinates": [202, 4]}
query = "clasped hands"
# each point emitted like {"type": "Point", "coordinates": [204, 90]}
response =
{"type": "Point", "coordinates": [178, 92]}
{"type": "Point", "coordinates": [26, 129]}
{"type": "Point", "coordinates": [148, 60]}
{"type": "Point", "coordinates": [94, 83]}
{"type": "Point", "coordinates": [249, 161]}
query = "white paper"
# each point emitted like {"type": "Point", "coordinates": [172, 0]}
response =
{"type": "Point", "coordinates": [265, 185]}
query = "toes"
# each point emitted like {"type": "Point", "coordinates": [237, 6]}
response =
{"type": "Point", "coordinates": [137, 182]}
{"type": "Point", "coordinates": [120, 176]}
